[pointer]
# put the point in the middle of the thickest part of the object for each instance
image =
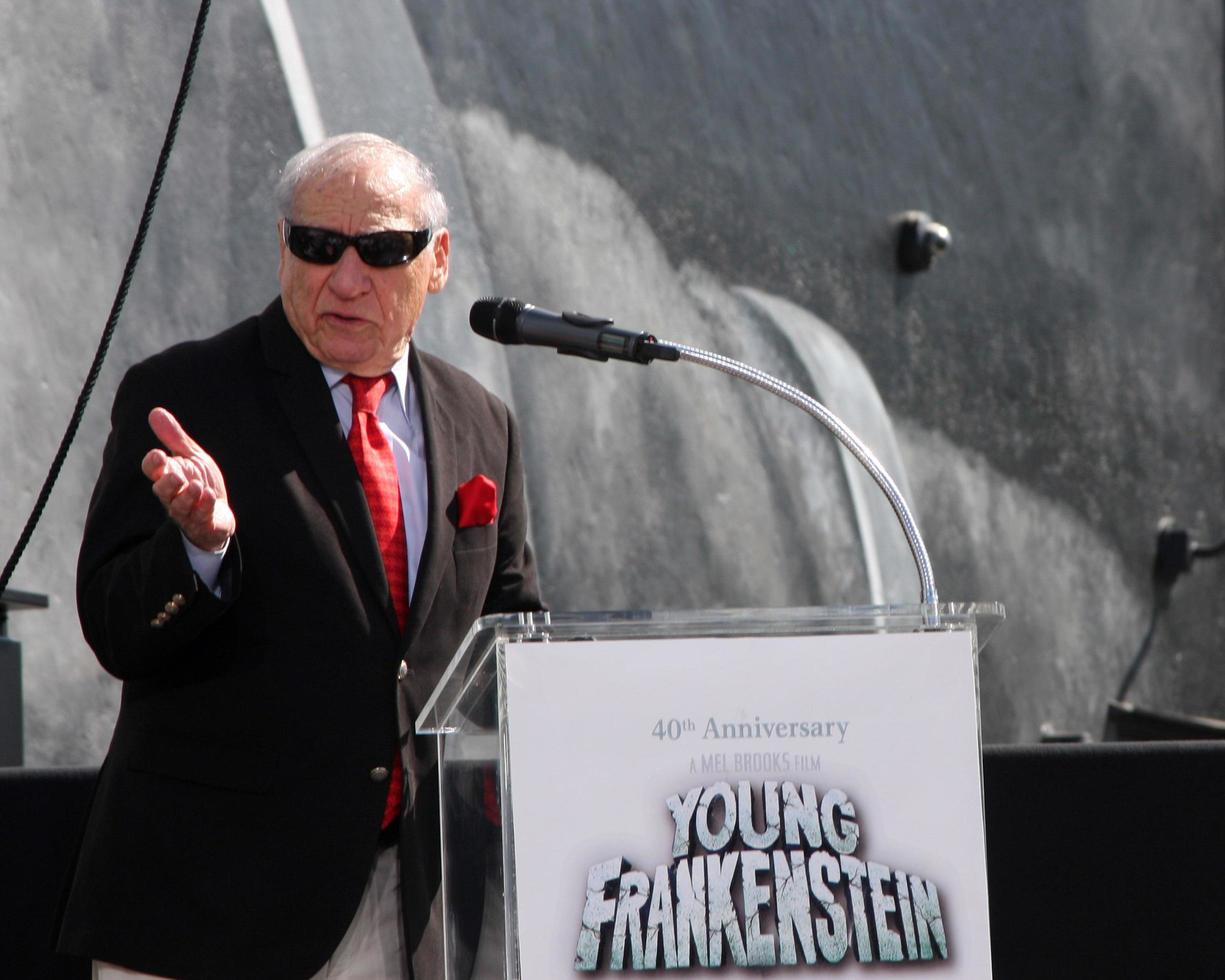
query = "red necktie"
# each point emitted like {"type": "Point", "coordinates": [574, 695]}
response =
{"type": "Point", "coordinates": [377, 468]}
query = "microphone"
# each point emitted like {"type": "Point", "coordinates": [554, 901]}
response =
{"type": "Point", "coordinates": [508, 321]}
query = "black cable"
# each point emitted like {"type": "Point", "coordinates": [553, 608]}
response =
{"type": "Point", "coordinates": [1175, 554]}
{"type": "Point", "coordinates": [1160, 602]}
{"type": "Point", "coordinates": [129, 270]}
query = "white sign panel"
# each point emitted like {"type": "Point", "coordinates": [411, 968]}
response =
{"type": "Point", "coordinates": [749, 806]}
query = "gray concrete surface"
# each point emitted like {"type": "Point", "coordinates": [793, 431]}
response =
{"type": "Point", "coordinates": [86, 90]}
{"type": "Point", "coordinates": [724, 175]}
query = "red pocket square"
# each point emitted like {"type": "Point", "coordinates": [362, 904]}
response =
{"type": "Point", "coordinates": [478, 502]}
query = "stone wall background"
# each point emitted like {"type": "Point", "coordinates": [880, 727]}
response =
{"type": "Point", "coordinates": [723, 174]}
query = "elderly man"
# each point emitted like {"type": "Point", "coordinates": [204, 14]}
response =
{"type": "Point", "coordinates": [331, 509]}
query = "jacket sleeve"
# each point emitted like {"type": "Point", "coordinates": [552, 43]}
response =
{"type": "Point", "coordinates": [514, 587]}
{"type": "Point", "coordinates": [140, 603]}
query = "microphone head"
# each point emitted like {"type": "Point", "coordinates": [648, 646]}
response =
{"type": "Point", "coordinates": [482, 315]}
{"type": "Point", "coordinates": [494, 318]}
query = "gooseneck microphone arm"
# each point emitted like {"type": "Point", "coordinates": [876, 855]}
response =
{"type": "Point", "coordinates": [509, 321]}
{"type": "Point", "coordinates": [844, 435]}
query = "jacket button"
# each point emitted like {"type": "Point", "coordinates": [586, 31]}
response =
{"type": "Point", "coordinates": [403, 671]}
{"type": "Point", "coordinates": [171, 608]}
{"type": "Point", "coordinates": [378, 774]}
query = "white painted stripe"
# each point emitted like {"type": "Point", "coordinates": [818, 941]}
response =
{"type": "Point", "coordinates": [297, 77]}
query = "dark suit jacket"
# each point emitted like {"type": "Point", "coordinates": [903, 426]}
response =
{"type": "Point", "coordinates": [236, 817]}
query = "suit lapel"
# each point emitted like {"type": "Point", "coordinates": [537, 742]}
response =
{"type": "Point", "coordinates": [441, 478]}
{"type": "Point", "coordinates": [307, 403]}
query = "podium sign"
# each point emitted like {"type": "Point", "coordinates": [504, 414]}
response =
{"type": "Point", "coordinates": [793, 791]}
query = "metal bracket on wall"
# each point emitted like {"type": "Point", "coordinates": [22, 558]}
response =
{"type": "Point", "coordinates": [919, 240]}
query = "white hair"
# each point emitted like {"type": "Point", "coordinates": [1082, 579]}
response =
{"type": "Point", "coordinates": [339, 154]}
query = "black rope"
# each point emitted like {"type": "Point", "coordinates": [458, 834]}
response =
{"type": "Point", "coordinates": [129, 270]}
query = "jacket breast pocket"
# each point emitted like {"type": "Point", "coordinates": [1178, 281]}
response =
{"type": "Point", "coordinates": [475, 539]}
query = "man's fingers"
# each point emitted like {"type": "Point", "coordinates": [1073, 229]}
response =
{"type": "Point", "coordinates": [169, 474]}
{"type": "Point", "coordinates": [181, 503]}
{"type": "Point", "coordinates": [153, 464]}
{"type": "Point", "coordinates": [169, 485]}
{"type": "Point", "coordinates": [172, 435]}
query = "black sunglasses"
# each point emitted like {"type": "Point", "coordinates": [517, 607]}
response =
{"type": "Point", "coordinates": [380, 249]}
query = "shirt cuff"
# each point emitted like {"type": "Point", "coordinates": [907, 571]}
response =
{"type": "Point", "coordinates": [206, 564]}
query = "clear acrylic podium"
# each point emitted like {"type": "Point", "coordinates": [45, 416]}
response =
{"type": "Point", "coordinates": [473, 718]}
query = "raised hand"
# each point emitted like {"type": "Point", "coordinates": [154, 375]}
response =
{"type": "Point", "coordinates": [189, 484]}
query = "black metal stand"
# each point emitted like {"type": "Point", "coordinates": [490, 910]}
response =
{"type": "Point", "coordinates": [12, 750]}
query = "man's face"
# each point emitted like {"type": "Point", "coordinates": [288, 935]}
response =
{"type": "Point", "coordinates": [352, 316]}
